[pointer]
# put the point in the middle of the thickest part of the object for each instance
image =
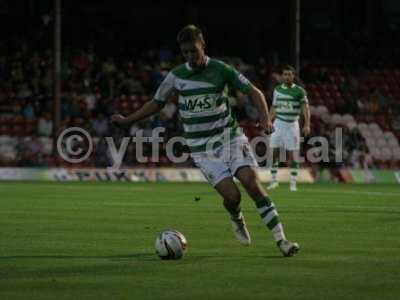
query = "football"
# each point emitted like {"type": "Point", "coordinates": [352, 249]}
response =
{"type": "Point", "coordinates": [170, 244]}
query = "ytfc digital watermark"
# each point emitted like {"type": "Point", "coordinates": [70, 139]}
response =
{"type": "Point", "coordinates": [75, 145]}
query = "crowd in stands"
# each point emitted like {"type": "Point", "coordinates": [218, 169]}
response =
{"type": "Point", "coordinates": [96, 86]}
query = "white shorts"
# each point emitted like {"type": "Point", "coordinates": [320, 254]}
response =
{"type": "Point", "coordinates": [286, 135]}
{"type": "Point", "coordinates": [225, 160]}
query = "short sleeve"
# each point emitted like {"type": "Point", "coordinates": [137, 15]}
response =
{"type": "Point", "coordinates": [303, 96]}
{"type": "Point", "coordinates": [274, 104]}
{"type": "Point", "coordinates": [236, 79]}
{"type": "Point", "coordinates": [166, 88]}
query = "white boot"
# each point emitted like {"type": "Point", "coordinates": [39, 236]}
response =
{"type": "Point", "coordinates": [240, 230]}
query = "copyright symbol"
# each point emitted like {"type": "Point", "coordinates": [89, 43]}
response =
{"type": "Point", "coordinates": [74, 145]}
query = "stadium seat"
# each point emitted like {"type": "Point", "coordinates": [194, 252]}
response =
{"type": "Point", "coordinates": [7, 140]}
{"type": "Point", "coordinates": [396, 153]}
{"type": "Point", "coordinates": [377, 133]}
{"type": "Point", "coordinates": [393, 142]}
{"type": "Point", "coordinates": [4, 139]}
{"type": "Point", "coordinates": [386, 154]}
{"type": "Point", "coordinates": [374, 126]}
{"type": "Point", "coordinates": [375, 152]}
{"type": "Point", "coordinates": [363, 126]}
{"type": "Point", "coordinates": [8, 152]}
{"type": "Point", "coordinates": [389, 135]}
{"type": "Point", "coordinates": [371, 142]}
{"type": "Point", "coordinates": [321, 110]}
{"type": "Point", "coordinates": [381, 142]}
{"type": "Point", "coordinates": [347, 118]}
{"type": "Point", "coordinates": [336, 119]}
{"type": "Point", "coordinates": [326, 118]}
{"type": "Point", "coordinates": [366, 133]}
{"type": "Point", "coordinates": [351, 125]}
{"type": "Point", "coordinates": [376, 130]}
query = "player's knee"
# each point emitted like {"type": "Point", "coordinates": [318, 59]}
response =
{"type": "Point", "coordinates": [250, 180]}
{"type": "Point", "coordinates": [233, 197]}
{"type": "Point", "coordinates": [253, 186]}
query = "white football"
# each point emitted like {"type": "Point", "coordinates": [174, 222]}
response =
{"type": "Point", "coordinates": [170, 244]}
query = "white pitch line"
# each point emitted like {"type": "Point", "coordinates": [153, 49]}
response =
{"type": "Point", "coordinates": [352, 192]}
{"type": "Point", "coordinates": [362, 209]}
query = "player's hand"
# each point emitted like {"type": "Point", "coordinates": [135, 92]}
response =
{"type": "Point", "coordinates": [119, 119]}
{"type": "Point", "coordinates": [306, 130]}
{"type": "Point", "coordinates": [267, 127]}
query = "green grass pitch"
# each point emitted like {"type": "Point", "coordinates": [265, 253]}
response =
{"type": "Point", "coordinates": [95, 241]}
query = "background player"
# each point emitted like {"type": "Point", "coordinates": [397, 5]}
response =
{"type": "Point", "coordinates": [289, 100]}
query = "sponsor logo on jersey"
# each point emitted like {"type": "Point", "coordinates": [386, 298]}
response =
{"type": "Point", "coordinates": [197, 104]}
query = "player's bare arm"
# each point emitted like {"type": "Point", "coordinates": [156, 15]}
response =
{"type": "Point", "coordinates": [272, 114]}
{"type": "Point", "coordinates": [306, 114]}
{"type": "Point", "coordinates": [149, 109]}
{"type": "Point", "coordinates": [258, 99]}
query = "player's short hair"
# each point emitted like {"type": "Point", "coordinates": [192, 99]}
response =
{"type": "Point", "coordinates": [288, 68]}
{"type": "Point", "coordinates": [190, 34]}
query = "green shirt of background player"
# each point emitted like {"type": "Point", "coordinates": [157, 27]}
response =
{"type": "Point", "coordinates": [288, 78]}
{"type": "Point", "coordinates": [206, 77]}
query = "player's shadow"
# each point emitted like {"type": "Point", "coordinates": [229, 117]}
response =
{"type": "Point", "coordinates": [144, 256]}
{"type": "Point", "coordinates": [108, 264]}
{"type": "Point", "coordinates": [66, 266]}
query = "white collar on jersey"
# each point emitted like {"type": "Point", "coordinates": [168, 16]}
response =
{"type": "Point", "coordinates": [190, 68]}
{"type": "Point", "coordinates": [286, 87]}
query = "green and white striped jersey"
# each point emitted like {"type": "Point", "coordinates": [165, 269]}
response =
{"type": "Point", "coordinates": [203, 106]}
{"type": "Point", "coordinates": [288, 101]}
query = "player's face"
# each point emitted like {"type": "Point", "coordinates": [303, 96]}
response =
{"type": "Point", "coordinates": [288, 77]}
{"type": "Point", "coordinates": [193, 53]}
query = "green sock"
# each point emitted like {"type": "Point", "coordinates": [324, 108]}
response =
{"type": "Point", "coordinates": [274, 170]}
{"type": "Point", "coordinates": [270, 218]}
{"type": "Point", "coordinates": [294, 168]}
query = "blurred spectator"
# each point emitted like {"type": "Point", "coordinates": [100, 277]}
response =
{"type": "Point", "coordinates": [28, 111]}
{"type": "Point", "coordinates": [81, 61]}
{"type": "Point", "coordinates": [90, 101]}
{"type": "Point", "coordinates": [24, 91]}
{"type": "Point", "coordinates": [45, 125]}
{"type": "Point", "coordinates": [100, 125]}
{"type": "Point", "coordinates": [109, 67]}
{"type": "Point", "coordinates": [129, 85]}
{"type": "Point", "coordinates": [101, 154]}
{"type": "Point", "coordinates": [76, 108]}
{"type": "Point", "coordinates": [95, 86]}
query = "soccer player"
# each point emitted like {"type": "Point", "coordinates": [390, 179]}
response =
{"type": "Point", "coordinates": [210, 131]}
{"type": "Point", "coordinates": [289, 100]}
